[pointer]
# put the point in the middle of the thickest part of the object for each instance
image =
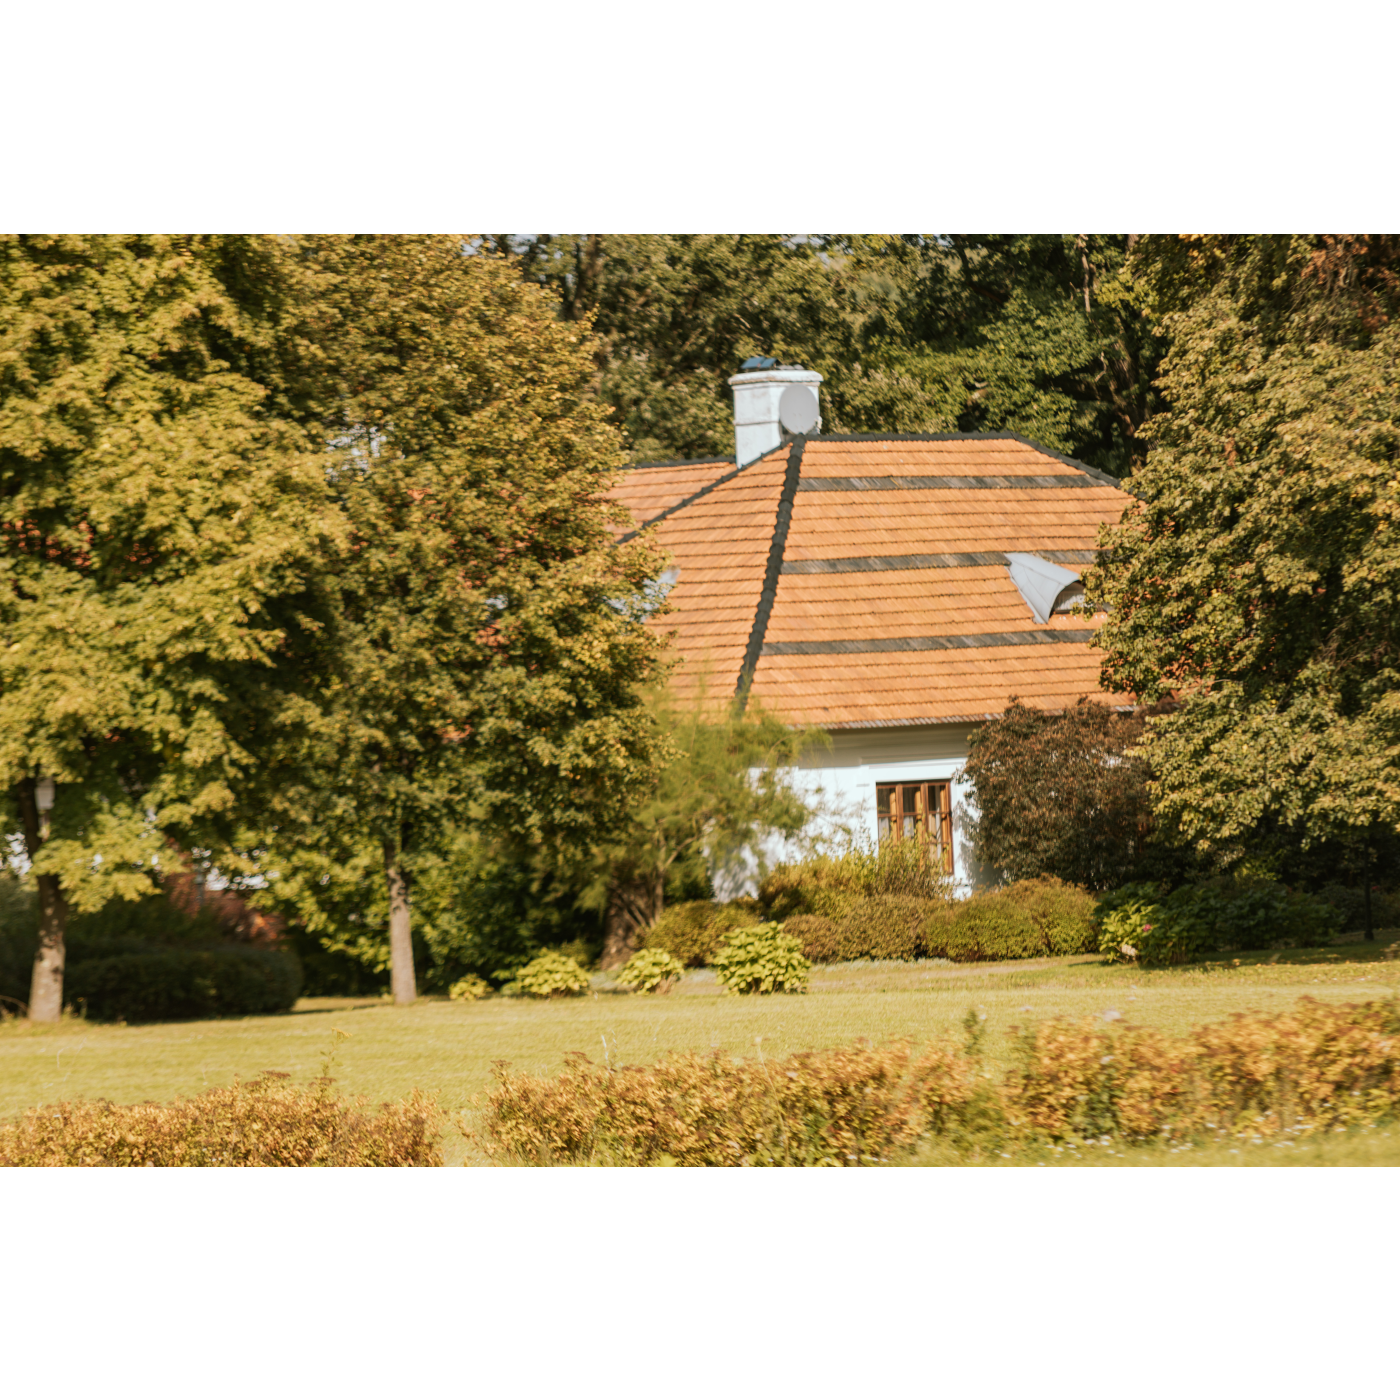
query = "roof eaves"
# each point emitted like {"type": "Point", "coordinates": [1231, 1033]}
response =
{"type": "Point", "coordinates": [677, 462]}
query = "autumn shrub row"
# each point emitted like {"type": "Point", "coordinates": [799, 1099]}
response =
{"type": "Point", "coordinates": [267, 1122]}
{"type": "Point", "coordinates": [832, 1107]}
{"type": "Point", "coordinates": [1310, 1070]}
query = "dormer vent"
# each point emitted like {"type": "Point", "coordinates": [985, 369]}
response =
{"type": "Point", "coordinates": [1047, 588]}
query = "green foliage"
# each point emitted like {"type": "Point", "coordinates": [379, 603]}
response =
{"type": "Point", "coordinates": [164, 526]}
{"type": "Point", "coordinates": [1062, 795]}
{"type": "Point", "coordinates": [832, 885]}
{"type": "Point", "coordinates": [185, 984]}
{"type": "Point", "coordinates": [486, 650]}
{"type": "Point", "coordinates": [1030, 919]}
{"type": "Point", "coordinates": [723, 786]}
{"type": "Point", "coordinates": [1196, 920]}
{"type": "Point", "coordinates": [820, 938]}
{"type": "Point", "coordinates": [469, 989]}
{"type": "Point", "coordinates": [1042, 334]}
{"type": "Point", "coordinates": [1257, 577]}
{"type": "Point", "coordinates": [761, 959]}
{"type": "Point", "coordinates": [885, 926]}
{"type": "Point", "coordinates": [478, 907]}
{"type": "Point", "coordinates": [1350, 904]}
{"type": "Point", "coordinates": [652, 970]}
{"type": "Point", "coordinates": [550, 974]}
{"type": "Point", "coordinates": [692, 931]}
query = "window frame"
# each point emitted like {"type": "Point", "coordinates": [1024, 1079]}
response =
{"type": "Point", "coordinates": [931, 818]}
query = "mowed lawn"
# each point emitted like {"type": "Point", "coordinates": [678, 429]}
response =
{"type": "Point", "coordinates": [448, 1048]}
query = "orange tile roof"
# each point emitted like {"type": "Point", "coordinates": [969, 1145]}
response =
{"type": "Point", "coordinates": [863, 581]}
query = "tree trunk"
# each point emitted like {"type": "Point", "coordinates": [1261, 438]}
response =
{"type": "Point", "coordinates": [400, 927]}
{"type": "Point", "coordinates": [46, 985]}
{"type": "Point", "coordinates": [1370, 932]}
{"type": "Point", "coordinates": [633, 906]}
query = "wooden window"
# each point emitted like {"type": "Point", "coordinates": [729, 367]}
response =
{"type": "Point", "coordinates": [917, 812]}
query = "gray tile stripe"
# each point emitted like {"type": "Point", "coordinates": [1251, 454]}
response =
{"type": "Point", "coordinates": [946, 483]}
{"type": "Point", "coordinates": [979, 639]}
{"type": "Point", "coordinates": [879, 563]}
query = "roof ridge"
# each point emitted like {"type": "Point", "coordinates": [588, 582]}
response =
{"type": "Point", "coordinates": [1003, 436]}
{"type": "Point", "coordinates": [776, 549]}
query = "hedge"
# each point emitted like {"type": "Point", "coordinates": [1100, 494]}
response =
{"type": "Point", "coordinates": [179, 984]}
{"type": "Point", "coordinates": [1030, 919]}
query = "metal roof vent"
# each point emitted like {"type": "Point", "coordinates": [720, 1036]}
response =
{"type": "Point", "coordinates": [770, 399]}
{"type": "Point", "coordinates": [1046, 587]}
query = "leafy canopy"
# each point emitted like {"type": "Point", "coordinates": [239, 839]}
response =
{"type": "Point", "coordinates": [1258, 577]}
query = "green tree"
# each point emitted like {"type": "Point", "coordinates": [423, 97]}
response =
{"type": "Point", "coordinates": [487, 647]}
{"type": "Point", "coordinates": [723, 788]}
{"type": "Point", "coordinates": [1258, 576]}
{"type": "Point", "coordinates": [164, 517]}
{"type": "Point", "coordinates": [1043, 335]}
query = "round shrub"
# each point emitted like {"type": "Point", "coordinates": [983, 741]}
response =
{"type": "Point", "coordinates": [885, 926]}
{"type": "Point", "coordinates": [986, 928]}
{"type": "Point", "coordinates": [469, 988]}
{"type": "Point", "coordinates": [184, 984]}
{"type": "Point", "coordinates": [761, 959]}
{"type": "Point", "coordinates": [1063, 913]}
{"type": "Point", "coordinates": [652, 970]}
{"type": "Point", "coordinates": [691, 932]}
{"type": "Point", "coordinates": [550, 974]}
{"type": "Point", "coordinates": [818, 937]}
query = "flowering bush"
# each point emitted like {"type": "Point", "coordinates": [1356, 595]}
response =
{"type": "Point", "coordinates": [652, 970]}
{"type": "Point", "coordinates": [762, 959]}
{"type": "Point", "coordinates": [550, 974]}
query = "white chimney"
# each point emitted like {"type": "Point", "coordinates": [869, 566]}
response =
{"type": "Point", "coordinates": [769, 400]}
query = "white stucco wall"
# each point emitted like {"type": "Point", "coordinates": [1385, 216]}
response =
{"type": "Point", "coordinates": [846, 776]}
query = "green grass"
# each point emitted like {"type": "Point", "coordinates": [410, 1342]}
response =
{"type": "Point", "coordinates": [448, 1047]}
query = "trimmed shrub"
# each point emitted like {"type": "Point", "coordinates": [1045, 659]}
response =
{"type": "Point", "coordinates": [988, 927]}
{"type": "Point", "coordinates": [1064, 914]}
{"type": "Point", "coordinates": [887, 927]}
{"type": "Point", "coordinates": [762, 959]}
{"type": "Point", "coordinates": [845, 1107]}
{"type": "Point", "coordinates": [691, 932]}
{"type": "Point", "coordinates": [470, 988]}
{"type": "Point", "coordinates": [652, 970]}
{"type": "Point", "coordinates": [265, 1123]}
{"type": "Point", "coordinates": [818, 937]}
{"type": "Point", "coordinates": [550, 974]}
{"type": "Point", "coordinates": [183, 984]}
